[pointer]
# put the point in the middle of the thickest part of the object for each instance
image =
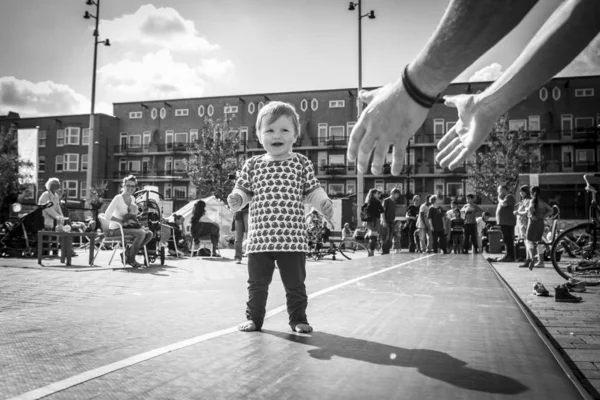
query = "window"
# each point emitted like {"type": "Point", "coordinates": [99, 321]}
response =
{"type": "Point", "coordinates": [336, 133]}
{"type": "Point", "coordinates": [230, 109]}
{"type": "Point", "coordinates": [390, 185]}
{"type": "Point", "coordinates": [322, 132]}
{"type": "Point", "coordinates": [584, 156]}
{"type": "Point", "coordinates": [555, 93]}
{"type": "Point", "coordinates": [321, 159]}
{"type": "Point", "coordinates": [454, 190]}
{"type": "Point", "coordinates": [135, 141]}
{"type": "Point", "coordinates": [337, 159]}
{"type": "Point", "coordinates": [438, 128]}
{"type": "Point", "coordinates": [304, 105]}
{"type": "Point", "coordinates": [210, 110]}
{"type": "Point", "coordinates": [72, 136]}
{"type": "Point", "coordinates": [179, 165]}
{"type": "Point", "coordinates": [534, 125]}
{"type": "Point", "coordinates": [82, 190]}
{"type": "Point", "coordinates": [42, 164]}
{"type": "Point", "coordinates": [516, 124]}
{"type": "Point", "coordinates": [350, 187]}
{"type": "Point", "coordinates": [567, 158]}
{"type": "Point", "coordinates": [409, 157]}
{"type": "Point", "coordinates": [438, 188]}
{"type": "Point", "coordinates": [60, 138]}
{"type": "Point", "coordinates": [123, 141]}
{"type": "Point", "coordinates": [145, 165]}
{"type": "Point", "coordinates": [349, 127]}
{"type": "Point", "coordinates": [194, 135]}
{"type": "Point", "coordinates": [566, 126]}
{"type": "Point", "coordinates": [351, 166]}
{"type": "Point", "coordinates": [543, 94]}
{"type": "Point", "coordinates": [70, 189]}
{"type": "Point", "coordinates": [450, 125]}
{"type": "Point", "coordinates": [180, 192]}
{"type": "Point", "coordinates": [334, 189]}
{"type": "Point", "coordinates": [584, 124]}
{"type": "Point", "coordinates": [182, 112]}
{"type": "Point", "coordinates": [84, 162]}
{"type": "Point", "coordinates": [251, 107]}
{"type": "Point", "coordinates": [163, 113]}
{"type": "Point", "coordinates": [42, 138]}
{"type": "Point", "coordinates": [411, 186]}
{"type": "Point", "coordinates": [201, 111]}
{"type": "Point", "coordinates": [154, 113]}
{"type": "Point", "coordinates": [169, 140]}
{"type": "Point", "coordinates": [122, 164]}
{"type": "Point", "coordinates": [146, 139]}
{"type": "Point", "coordinates": [168, 190]}
{"type": "Point", "coordinates": [135, 115]}
{"type": "Point", "coordinates": [85, 137]}
{"type": "Point", "coordinates": [133, 166]}
{"type": "Point", "coordinates": [379, 185]}
{"type": "Point", "coordinates": [336, 103]}
{"type": "Point", "coordinates": [192, 191]}
{"type": "Point", "coordinates": [260, 105]}
{"type": "Point", "coordinates": [314, 104]}
{"type": "Point", "coordinates": [587, 92]}
{"type": "Point", "coordinates": [181, 139]}
{"type": "Point", "coordinates": [71, 161]}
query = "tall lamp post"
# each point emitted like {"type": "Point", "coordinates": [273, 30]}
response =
{"type": "Point", "coordinates": [359, 175]}
{"type": "Point", "coordinates": [91, 142]}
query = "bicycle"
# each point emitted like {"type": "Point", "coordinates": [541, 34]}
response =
{"type": "Point", "coordinates": [349, 249]}
{"type": "Point", "coordinates": [576, 252]}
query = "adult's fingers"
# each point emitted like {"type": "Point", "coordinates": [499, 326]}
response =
{"type": "Point", "coordinates": [447, 138]}
{"type": "Point", "coordinates": [364, 151]}
{"type": "Point", "coordinates": [399, 157]}
{"type": "Point", "coordinates": [449, 157]}
{"type": "Point", "coordinates": [460, 158]}
{"type": "Point", "coordinates": [448, 149]}
{"type": "Point", "coordinates": [366, 96]}
{"type": "Point", "coordinates": [358, 132]}
{"type": "Point", "coordinates": [379, 154]}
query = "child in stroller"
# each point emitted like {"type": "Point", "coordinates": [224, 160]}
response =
{"type": "Point", "coordinates": [20, 239]}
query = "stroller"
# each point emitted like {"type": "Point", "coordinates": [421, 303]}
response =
{"type": "Point", "coordinates": [20, 239]}
{"type": "Point", "coordinates": [150, 215]}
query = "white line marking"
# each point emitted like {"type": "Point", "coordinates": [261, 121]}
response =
{"type": "Point", "coordinates": [117, 365]}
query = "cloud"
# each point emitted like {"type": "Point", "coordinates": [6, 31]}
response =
{"type": "Point", "coordinates": [158, 75]}
{"type": "Point", "coordinates": [486, 74]}
{"type": "Point", "coordinates": [586, 63]}
{"type": "Point", "coordinates": [162, 27]}
{"type": "Point", "coordinates": [31, 99]}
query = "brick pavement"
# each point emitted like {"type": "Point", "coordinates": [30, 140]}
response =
{"type": "Point", "coordinates": [574, 329]}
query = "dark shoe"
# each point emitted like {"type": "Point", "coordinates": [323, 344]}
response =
{"type": "Point", "coordinates": [562, 295]}
{"type": "Point", "coordinates": [526, 264]}
{"type": "Point", "coordinates": [134, 264]}
{"type": "Point", "coordinates": [238, 260]}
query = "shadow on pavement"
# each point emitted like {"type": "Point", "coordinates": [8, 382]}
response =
{"type": "Point", "coordinates": [431, 363]}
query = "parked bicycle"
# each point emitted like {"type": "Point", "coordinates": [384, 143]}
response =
{"type": "Point", "coordinates": [349, 249]}
{"type": "Point", "coordinates": [576, 251]}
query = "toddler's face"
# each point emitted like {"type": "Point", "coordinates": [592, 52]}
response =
{"type": "Point", "coordinates": [278, 137]}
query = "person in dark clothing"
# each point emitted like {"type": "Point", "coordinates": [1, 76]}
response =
{"type": "Point", "coordinates": [436, 222]}
{"type": "Point", "coordinates": [457, 228]}
{"type": "Point", "coordinates": [203, 226]}
{"type": "Point", "coordinates": [374, 209]}
{"type": "Point", "coordinates": [178, 236]}
{"type": "Point", "coordinates": [507, 220]}
{"type": "Point", "coordinates": [470, 211]}
{"type": "Point", "coordinates": [387, 220]}
{"type": "Point", "coordinates": [412, 212]}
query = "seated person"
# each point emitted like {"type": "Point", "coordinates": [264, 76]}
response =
{"type": "Point", "coordinates": [120, 206]}
{"type": "Point", "coordinates": [203, 226]}
{"type": "Point", "coordinates": [178, 237]}
{"type": "Point", "coordinates": [314, 226]}
{"type": "Point", "coordinates": [347, 235]}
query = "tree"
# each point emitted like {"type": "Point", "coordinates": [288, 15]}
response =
{"type": "Point", "coordinates": [508, 154]}
{"type": "Point", "coordinates": [13, 169]}
{"type": "Point", "coordinates": [213, 159]}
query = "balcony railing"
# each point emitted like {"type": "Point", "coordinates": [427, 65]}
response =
{"type": "Point", "coordinates": [153, 148]}
{"type": "Point", "coordinates": [150, 173]}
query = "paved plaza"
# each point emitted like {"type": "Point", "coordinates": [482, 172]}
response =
{"type": "Point", "coordinates": [398, 326]}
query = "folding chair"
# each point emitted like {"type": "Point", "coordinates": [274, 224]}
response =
{"type": "Point", "coordinates": [117, 241]}
{"type": "Point", "coordinates": [170, 231]}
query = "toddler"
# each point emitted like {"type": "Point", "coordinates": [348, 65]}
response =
{"type": "Point", "coordinates": [276, 185]}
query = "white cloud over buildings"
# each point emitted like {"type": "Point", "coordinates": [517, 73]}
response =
{"type": "Point", "coordinates": [486, 74]}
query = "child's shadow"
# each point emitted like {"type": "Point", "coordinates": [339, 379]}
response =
{"type": "Point", "coordinates": [431, 363]}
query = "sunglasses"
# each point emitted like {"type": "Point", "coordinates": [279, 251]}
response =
{"type": "Point", "coordinates": [130, 186]}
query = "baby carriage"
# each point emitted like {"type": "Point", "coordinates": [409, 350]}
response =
{"type": "Point", "coordinates": [150, 215]}
{"type": "Point", "coordinates": [20, 239]}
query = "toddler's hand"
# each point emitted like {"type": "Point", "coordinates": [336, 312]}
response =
{"type": "Point", "coordinates": [327, 209]}
{"type": "Point", "coordinates": [133, 209]}
{"type": "Point", "coordinates": [234, 201]}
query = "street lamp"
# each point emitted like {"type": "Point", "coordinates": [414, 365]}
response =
{"type": "Point", "coordinates": [359, 175]}
{"type": "Point", "coordinates": [106, 42]}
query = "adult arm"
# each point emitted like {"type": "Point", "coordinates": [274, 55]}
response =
{"type": "Point", "coordinates": [565, 34]}
{"type": "Point", "coordinates": [392, 117]}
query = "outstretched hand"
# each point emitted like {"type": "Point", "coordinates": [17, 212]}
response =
{"type": "Point", "coordinates": [327, 209]}
{"type": "Point", "coordinates": [391, 118]}
{"type": "Point", "coordinates": [474, 125]}
{"type": "Point", "coordinates": [234, 200]}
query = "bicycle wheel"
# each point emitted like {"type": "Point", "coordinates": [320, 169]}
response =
{"type": "Point", "coordinates": [576, 254]}
{"type": "Point", "coordinates": [352, 250]}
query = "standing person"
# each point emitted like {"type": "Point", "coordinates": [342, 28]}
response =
{"type": "Point", "coordinates": [387, 220]}
{"type": "Point", "coordinates": [506, 219]}
{"type": "Point", "coordinates": [436, 224]}
{"type": "Point", "coordinates": [521, 211]}
{"type": "Point", "coordinates": [121, 205]}
{"type": "Point", "coordinates": [276, 185]}
{"type": "Point", "coordinates": [537, 212]}
{"type": "Point", "coordinates": [346, 236]}
{"type": "Point", "coordinates": [241, 227]}
{"type": "Point", "coordinates": [457, 228]}
{"type": "Point", "coordinates": [203, 226]}
{"type": "Point", "coordinates": [52, 215]}
{"type": "Point", "coordinates": [374, 209]}
{"type": "Point", "coordinates": [397, 110]}
{"type": "Point", "coordinates": [412, 212]}
{"type": "Point", "coordinates": [481, 223]}
{"type": "Point", "coordinates": [423, 228]}
{"type": "Point", "coordinates": [398, 236]}
{"type": "Point", "coordinates": [470, 211]}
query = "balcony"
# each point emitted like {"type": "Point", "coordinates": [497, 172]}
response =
{"type": "Point", "coordinates": [333, 169]}
{"type": "Point", "coordinates": [149, 174]}
{"type": "Point", "coordinates": [153, 148]}
{"type": "Point", "coordinates": [333, 141]}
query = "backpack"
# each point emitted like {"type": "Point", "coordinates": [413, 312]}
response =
{"type": "Point", "coordinates": [364, 212]}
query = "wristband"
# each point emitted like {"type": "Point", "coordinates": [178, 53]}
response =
{"type": "Point", "coordinates": [414, 93]}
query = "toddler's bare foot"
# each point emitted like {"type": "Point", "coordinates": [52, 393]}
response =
{"type": "Point", "coordinates": [247, 326]}
{"type": "Point", "coordinates": [303, 328]}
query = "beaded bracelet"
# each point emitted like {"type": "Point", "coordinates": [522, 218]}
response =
{"type": "Point", "coordinates": [418, 97]}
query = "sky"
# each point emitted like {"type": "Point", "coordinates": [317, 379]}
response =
{"type": "Point", "coordinates": [169, 49]}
